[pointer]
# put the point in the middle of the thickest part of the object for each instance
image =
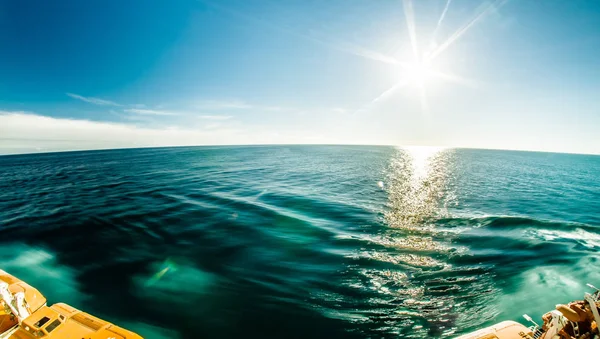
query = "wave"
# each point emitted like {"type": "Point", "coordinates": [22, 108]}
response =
{"type": "Point", "coordinates": [505, 222]}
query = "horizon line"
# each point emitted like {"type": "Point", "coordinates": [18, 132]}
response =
{"type": "Point", "coordinates": [294, 144]}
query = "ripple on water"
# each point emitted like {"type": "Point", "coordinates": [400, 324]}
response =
{"type": "Point", "coordinates": [302, 241]}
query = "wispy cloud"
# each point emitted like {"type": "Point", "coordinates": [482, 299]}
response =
{"type": "Point", "coordinates": [95, 101]}
{"type": "Point", "coordinates": [24, 132]}
{"type": "Point", "coordinates": [155, 112]}
{"type": "Point", "coordinates": [216, 117]}
{"type": "Point", "coordinates": [339, 110]}
{"type": "Point", "coordinates": [150, 112]}
{"type": "Point", "coordinates": [222, 105]}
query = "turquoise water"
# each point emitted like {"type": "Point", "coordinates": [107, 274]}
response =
{"type": "Point", "coordinates": [303, 241]}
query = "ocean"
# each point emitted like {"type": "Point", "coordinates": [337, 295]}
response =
{"type": "Point", "coordinates": [303, 241]}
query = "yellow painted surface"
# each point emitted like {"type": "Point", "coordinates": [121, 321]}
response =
{"type": "Point", "coordinates": [59, 321]}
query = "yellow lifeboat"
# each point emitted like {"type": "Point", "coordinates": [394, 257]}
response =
{"type": "Point", "coordinates": [25, 315]}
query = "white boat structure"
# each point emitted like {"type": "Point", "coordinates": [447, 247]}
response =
{"type": "Point", "coordinates": [577, 320]}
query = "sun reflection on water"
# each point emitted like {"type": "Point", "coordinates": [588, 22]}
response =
{"type": "Point", "coordinates": [416, 185]}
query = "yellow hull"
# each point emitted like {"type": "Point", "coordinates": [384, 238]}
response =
{"type": "Point", "coordinates": [503, 330]}
{"type": "Point", "coordinates": [25, 315]}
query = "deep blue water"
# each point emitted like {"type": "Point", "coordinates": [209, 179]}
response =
{"type": "Point", "coordinates": [302, 241]}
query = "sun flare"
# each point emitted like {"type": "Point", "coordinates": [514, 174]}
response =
{"type": "Point", "coordinates": [419, 73]}
{"type": "Point", "coordinates": [416, 73]}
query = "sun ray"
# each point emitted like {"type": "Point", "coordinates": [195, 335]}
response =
{"type": "Point", "coordinates": [409, 14]}
{"type": "Point", "coordinates": [423, 99]}
{"type": "Point", "coordinates": [418, 72]}
{"type": "Point", "coordinates": [439, 23]}
{"type": "Point", "coordinates": [460, 32]}
{"type": "Point", "coordinates": [314, 36]}
{"type": "Point", "coordinates": [383, 95]}
{"type": "Point", "coordinates": [389, 91]}
{"type": "Point", "coordinates": [455, 78]}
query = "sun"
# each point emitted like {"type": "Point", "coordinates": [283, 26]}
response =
{"type": "Point", "coordinates": [419, 72]}
{"type": "Point", "coordinates": [416, 73]}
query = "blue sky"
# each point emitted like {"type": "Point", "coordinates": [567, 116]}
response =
{"type": "Point", "coordinates": [463, 73]}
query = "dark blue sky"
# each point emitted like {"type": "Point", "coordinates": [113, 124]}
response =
{"type": "Point", "coordinates": [521, 74]}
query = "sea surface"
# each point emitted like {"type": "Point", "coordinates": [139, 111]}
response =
{"type": "Point", "coordinates": [303, 241]}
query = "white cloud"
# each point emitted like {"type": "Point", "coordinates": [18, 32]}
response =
{"type": "Point", "coordinates": [150, 112]}
{"type": "Point", "coordinates": [94, 101]}
{"type": "Point", "coordinates": [213, 125]}
{"type": "Point", "coordinates": [339, 110]}
{"type": "Point", "coordinates": [216, 117]}
{"type": "Point", "coordinates": [222, 105]}
{"type": "Point", "coordinates": [26, 132]}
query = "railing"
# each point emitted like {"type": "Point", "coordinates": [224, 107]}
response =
{"type": "Point", "coordinates": [592, 298]}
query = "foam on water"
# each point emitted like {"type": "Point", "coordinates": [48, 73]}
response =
{"type": "Point", "coordinates": [547, 285]}
{"type": "Point", "coordinates": [39, 268]}
{"type": "Point", "coordinates": [578, 235]}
